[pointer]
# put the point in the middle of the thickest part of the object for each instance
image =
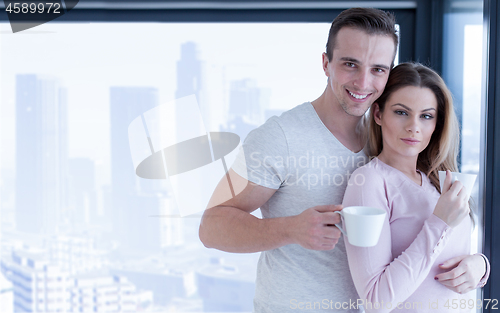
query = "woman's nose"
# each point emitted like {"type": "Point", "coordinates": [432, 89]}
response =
{"type": "Point", "coordinates": [413, 126]}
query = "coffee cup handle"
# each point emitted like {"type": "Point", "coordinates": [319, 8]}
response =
{"type": "Point", "coordinates": [338, 225]}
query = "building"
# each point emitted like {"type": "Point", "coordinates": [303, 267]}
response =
{"type": "Point", "coordinates": [41, 286]}
{"type": "Point", "coordinates": [171, 275]}
{"type": "Point", "coordinates": [101, 292]}
{"type": "Point", "coordinates": [133, 202]}
{"type": "Point", "coordinates": [38, 286]}
{"type": "Point", "coordinates": [247, 100]}
{"type": "Point", "coordinates": [6, 295]}
{"type": "Point", "coordinates": [75, 254]}
{"type": "Point", "coordinates": [41, 154]}
{"type": "Point", "coordinates": [82, 194]}
{"type": "Point", "coordinates": [190, 73]}
{"type": "Point", "coordinates": [226, 287]}
{"type": "Point", "coordinates": [248, 105]}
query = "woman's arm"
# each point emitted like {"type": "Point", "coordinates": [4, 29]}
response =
{"type": "Point", "coordinates": [377, 276]}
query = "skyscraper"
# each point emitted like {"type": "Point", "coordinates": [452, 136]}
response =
{"type": "Point", "coordinates": [247, 106]}
{"type": "Point", "coordinates": [246, 99]}
{"type": "Point", "coordinates": [189, 82]}
{"type": "Point", "coordinates": [41, 154]}
{"type": "Point", "coordinates": [189, 72]}
{"type": "Point", "coordinates": [82, 193]}
{"type": "Point", "coordinates": [133, 207]}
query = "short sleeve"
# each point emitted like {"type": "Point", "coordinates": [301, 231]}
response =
{"type": "Point", "coordinates": [262, 157]}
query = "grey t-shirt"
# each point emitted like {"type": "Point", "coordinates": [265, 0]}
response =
{"type": "Point", "coordinates": [297, 155]}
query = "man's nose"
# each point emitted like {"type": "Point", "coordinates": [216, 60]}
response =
{"type": "Point", "coordinates": [362, 81]}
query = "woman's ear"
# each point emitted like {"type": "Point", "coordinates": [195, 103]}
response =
{"type": "Point", "coordinates": [377, 114]}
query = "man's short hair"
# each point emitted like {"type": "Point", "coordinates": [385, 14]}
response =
{"type": "Point", "coordinates": [372, 21]}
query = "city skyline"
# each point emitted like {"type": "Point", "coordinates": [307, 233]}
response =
{"type": "Point", "coordinates": [144, 61]}
{"type": "Point", "coordinates": [128, 207]}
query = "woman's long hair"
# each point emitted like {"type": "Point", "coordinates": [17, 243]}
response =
{"type": "Point", "coordinates": [442, 150]}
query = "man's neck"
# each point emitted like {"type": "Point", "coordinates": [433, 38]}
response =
{"type": "Point", "coordinates": [343, 126]}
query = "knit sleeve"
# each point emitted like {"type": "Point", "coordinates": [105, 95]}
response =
{"type": "Point", "coordinates": [377, 275]}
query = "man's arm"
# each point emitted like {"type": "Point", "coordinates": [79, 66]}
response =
{"type": "Point", "coordinates": [230, 226]}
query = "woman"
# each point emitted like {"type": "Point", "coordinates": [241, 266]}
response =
{"type": "Point", "coordinates": [421, 262]}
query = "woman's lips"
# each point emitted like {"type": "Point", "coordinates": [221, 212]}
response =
{"type": "Point", "coordinates": [410, 141]}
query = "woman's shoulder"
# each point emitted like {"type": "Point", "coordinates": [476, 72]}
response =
{"type": "Point", "coordinates": [373, 171]}
{"type": "Point", "coordinates": [378, 173]}
{"type": "Point", "coordinates": [367, 186]}
{"type": "Point", "coordinates": [374, 167]}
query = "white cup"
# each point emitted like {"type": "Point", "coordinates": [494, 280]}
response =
{"type": "Point", "coordinates": [467, 180]}
{"type": "Point", "coordinates": [363, 225]}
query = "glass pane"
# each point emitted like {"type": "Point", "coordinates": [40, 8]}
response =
{"type": "Point", "coordinates": [74, 216]}
{"type": "Point", "coordinates": [463, 71]}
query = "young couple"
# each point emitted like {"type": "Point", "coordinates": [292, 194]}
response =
{"type": "Point", "coordinates": [422, 258]}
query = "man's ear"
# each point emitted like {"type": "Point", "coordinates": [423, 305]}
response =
{"type": "Point", "coordinates": [325, 64]}
{"type": "Point", "coordinates": [377, 114]}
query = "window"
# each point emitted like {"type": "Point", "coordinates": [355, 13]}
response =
{"type": "Point", "coordinates": [69, 93]}
{"type": "Point", "coordinates": [463, 71]}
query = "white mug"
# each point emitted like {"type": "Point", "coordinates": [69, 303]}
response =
{"type": "Point", "coordinates": [467, 180]}
{"type": "Point", "coordinates": [363, 225]}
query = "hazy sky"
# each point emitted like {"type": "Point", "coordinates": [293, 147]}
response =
{"type": "Point", "coordinates": [88, 58]}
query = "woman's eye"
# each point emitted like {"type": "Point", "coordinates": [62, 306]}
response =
{"type": "Point", "coordinates": [400, 112]}
{"type": "Point", "coordinates": [427, 116]}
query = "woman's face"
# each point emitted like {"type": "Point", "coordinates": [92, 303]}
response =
{"type": "Point", "coordinates": [408, 121]}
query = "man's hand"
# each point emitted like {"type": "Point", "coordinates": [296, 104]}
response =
{"type": "Point", "coordinates": [315, 227]}
{"type": "Point", "coordinates": [466, 273]}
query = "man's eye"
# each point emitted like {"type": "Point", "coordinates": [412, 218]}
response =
{"type": "Point", "coordinates": [379, 70]}
{"type": "Point", "coordinates": [350, 64]}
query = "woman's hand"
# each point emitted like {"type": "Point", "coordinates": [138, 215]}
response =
{"type": "Point", "coordinates": [466, 273]}
{"type": "Point", "coordinates": [452, 207]}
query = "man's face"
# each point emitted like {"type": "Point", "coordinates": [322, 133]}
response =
{"type": "Point", "coordinates": [359, 69]}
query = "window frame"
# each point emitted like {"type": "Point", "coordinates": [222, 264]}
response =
{"type": "Point", "coordinates": [491, 152]}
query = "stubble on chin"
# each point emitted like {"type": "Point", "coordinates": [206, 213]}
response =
{"type": "Point", "coordinates": [353, 111]}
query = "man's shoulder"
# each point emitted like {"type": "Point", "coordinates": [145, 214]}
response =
{"type": "Point", "coordinates": [297, 113]}
{"type": "Point", "coordinates": [275, 125]}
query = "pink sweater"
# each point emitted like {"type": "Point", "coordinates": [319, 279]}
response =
{"type": "Point", "coordinates": [398, 273]}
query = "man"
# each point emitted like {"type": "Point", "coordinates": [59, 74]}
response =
{"type": "Point", "coordinates": [297, 167]}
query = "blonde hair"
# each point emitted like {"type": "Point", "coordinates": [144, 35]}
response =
{"type": "Point", "coordinates": [442, 151]}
